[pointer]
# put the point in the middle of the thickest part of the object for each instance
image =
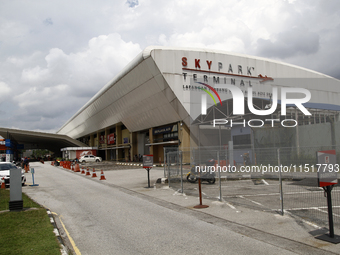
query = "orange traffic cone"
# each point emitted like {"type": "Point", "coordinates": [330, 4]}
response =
{"type": "Point", "coordinates": [102, 177]}
{"type": "Point", "coordinates": [3, 185]}
{"type": "Point", "coordinates": [82, 170]}
{"type": "Point", "coordinates": [76, 168]}
{"type": "Point", "coordinates": [94, 173]}
{"type": "Point", "coordinates": [87, 171]}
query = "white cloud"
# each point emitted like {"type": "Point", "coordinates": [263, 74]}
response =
{"type": "Point", "coordinates": [54, 56]}
{"type": "Point", "coordinates": [4, 91]}
{"type": "Point", "coordinates": [67, 81]}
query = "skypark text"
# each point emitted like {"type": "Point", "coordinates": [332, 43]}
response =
{"type": "Point", "coordinates": [256, 123]}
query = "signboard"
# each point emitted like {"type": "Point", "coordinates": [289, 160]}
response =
{"type": "Point", "coordinates": [126, 140]}
{"type": "Point", "coordinates": [327, 171]}
{"type": "Point", "coordinates": [111, 139]}
{"type": "Point", "coordinates": [8, 143]}
{"type": "Point", "coordinates": [102, 139]}
{"type": "Point", "coordinates": [9, 157]}
{"type": "Point", "coordinates": [147, 161]}
{"type": "Point", "coordinates": [81, 153]}
{"type": "Point", "coordinates": [164, 130]}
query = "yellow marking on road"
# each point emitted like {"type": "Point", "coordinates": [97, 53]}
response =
{"type": "Point", "coordinates": [75, 248]}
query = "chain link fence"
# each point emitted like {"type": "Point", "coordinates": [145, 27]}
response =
{"type": "Point", "coordinates": [278, 180]}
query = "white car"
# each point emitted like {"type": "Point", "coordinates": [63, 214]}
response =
{"type": "Point", "coordinates": [90, 158]}
{"type": "Point", "coordinates": [5, 168]}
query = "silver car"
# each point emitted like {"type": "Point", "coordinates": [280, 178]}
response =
{"type": "Point", "coordinates": [90, 158]}
{"type": "Point", "coordinates": [5, 168]}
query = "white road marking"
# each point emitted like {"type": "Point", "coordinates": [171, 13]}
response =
{"type": "Point", "coordinates": [334, 214]}
{"type": "Point", "coordinates": [251, 200]}
{"type": "Point", "coordinates": [265, 182]}
{"type": "Point", "coordinates": [307, 222]}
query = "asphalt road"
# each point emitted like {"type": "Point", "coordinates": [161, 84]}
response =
{"type": "Point", "coordinates": [103, 219]}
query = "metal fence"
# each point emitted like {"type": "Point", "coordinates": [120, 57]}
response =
{"type": "Point", "coordinates": [278, 180]}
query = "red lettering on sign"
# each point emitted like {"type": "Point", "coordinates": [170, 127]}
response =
{"type": "Point", "coordinates": [209, 64]}
{"type": "Point", "coordinates": [184, 61]}
{"type": "Point", "coordinates": [197, 63]}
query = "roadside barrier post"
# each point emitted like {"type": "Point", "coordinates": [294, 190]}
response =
{"type": "Point", "coordinates": [148, 164]}
{"type": "Point", "coordinates": [327, 178]}
{"type": "Point", "coordinates": [32, 171]}
{"type": "Point", "coordinates": [200, 206]}
{"type": "Point", "coordinates": [219, 175]}
{"type": "Point", "coordinates": [280, 180]}
{"type": "Point", "coordinates": [169, 163]}
{"type": "Point", "coordinates": [181, 160]}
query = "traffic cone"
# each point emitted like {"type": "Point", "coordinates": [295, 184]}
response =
{"type": "Point", "coordinates": [76, 168]}
{"type": "Point", "coordinates": [88, 171]}
{"type": "Point", "coordinates": [3, 185]}
{"type": "Point", "coordinates": [102, 177]}
{"type": "Point", "coordinates": [94, 173]}
{"type": "Point", "coordinates": [82, 170]}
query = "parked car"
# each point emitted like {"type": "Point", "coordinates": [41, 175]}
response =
{"type": "Point", "coordinates": [5, 168]}
{"type": "Point", "coordinates": [90, 158]}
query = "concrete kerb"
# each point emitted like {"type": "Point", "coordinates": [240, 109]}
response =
{"type": "Point", "coordinates": [64, 250]}
{"type": "Point", "coordinates": [287, 232]}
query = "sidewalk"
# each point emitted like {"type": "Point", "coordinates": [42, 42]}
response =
{"type": "Point", "coordinates": [269, 227]}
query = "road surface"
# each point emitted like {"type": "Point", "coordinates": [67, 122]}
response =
{"type": "Point", "coordinates": [103, 219]}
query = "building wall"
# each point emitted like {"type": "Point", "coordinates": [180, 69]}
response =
{"type": "Point", "coordinates": [155, 90]}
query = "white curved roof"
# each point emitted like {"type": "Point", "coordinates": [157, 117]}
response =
{"type": "Point", "coordinates": [148, 92]}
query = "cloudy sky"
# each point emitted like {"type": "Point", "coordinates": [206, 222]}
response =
{"type": "Point", "coordinates": [55, 55]}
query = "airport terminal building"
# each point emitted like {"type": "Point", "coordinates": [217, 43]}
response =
{"type": "Point", "coordinates": [171, 98]}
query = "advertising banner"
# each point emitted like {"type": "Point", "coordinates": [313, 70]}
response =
{"type": "Point", "coordinates": [86, 152]}
{"type": "Point", "coordinates": [102, 139]}
{"type": "Point", "coordinates": [111, 139]}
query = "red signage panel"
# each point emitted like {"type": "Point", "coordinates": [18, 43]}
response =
{"type": "Point", "coordinates": [111, 139]}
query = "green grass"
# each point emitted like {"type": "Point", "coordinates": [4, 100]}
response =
{"type": "Point", "coordinates": [26, 232]}
{"type": "Point", "coordinates": [4, 200]}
